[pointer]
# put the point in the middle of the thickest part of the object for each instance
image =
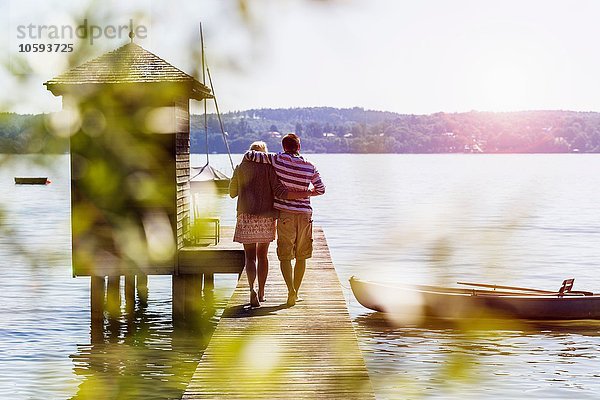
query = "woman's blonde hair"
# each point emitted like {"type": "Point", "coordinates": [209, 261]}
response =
{"type": "Point", "coordinates": [259, 146]}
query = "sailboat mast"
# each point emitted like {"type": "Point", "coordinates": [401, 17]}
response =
{"type": "Point", "coordinates": [212, 88]}
{"type": "Point", "coordinates": [204, 83]}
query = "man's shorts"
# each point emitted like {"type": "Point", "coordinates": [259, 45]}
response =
{"type": "Point", "coordinates": [294, 236]}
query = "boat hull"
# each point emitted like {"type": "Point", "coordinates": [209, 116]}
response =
{"type": "Point", "coordinates": [220, 185]}
{"type": "Point", "coordinates": [432, 302]}
{"type": "Point", "coordinates": [31, 181]}
{"type": "Point", "coordinates": [208, 178]}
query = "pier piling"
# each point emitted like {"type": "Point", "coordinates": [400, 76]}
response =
{"type": "Point", "coordinates": [113, 296]}
{"type": "Point", "coordinates": [130, 293]}
{"type": "Point", "coordinates": [142, 288]}
{"type": "Point", "coordinates": [97, 294]}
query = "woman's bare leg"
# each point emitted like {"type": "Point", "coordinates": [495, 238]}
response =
{"type": "Point", "coordinates": [250, 255]}
{"type": "Point", "coordinates": [262, 250]}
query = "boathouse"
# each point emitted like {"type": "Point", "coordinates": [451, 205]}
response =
{"type": "Point", "coordinates": [128, 113]}
{"type": "Point", "coordinates": [129, 129]}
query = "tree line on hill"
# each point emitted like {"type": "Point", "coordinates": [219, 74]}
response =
{"type": "Point", "coordinates": [26, 134]}
{"type": "Point", "coordinates": [355, 130]}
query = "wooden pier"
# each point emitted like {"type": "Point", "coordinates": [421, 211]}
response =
{"type": "Point", "coordinates": [308, 351]}
{"type": "Point", "coordinates": [193, 276]}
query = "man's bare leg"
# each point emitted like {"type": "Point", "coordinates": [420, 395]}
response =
{"type": "Point", "coordinates": [299, 269]}
{"type": "Point", "coordinates": [286, 271]}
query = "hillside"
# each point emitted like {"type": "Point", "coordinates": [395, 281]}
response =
{"type": "Point", "coordinates": [355, 130]}
{"type": "Point", "coordinates": [332, 130]}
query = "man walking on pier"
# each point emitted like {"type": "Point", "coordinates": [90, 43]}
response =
{"type": "Point", "coordinates": [294, 225]}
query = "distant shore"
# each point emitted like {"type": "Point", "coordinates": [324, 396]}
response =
{"type": "Point", "coordinates": [357, 131]}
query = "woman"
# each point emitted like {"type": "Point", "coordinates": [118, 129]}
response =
{"type": "Point", "coordinates": [255, 185]}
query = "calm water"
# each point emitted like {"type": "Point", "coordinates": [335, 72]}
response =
{"type": "Point", "coordinates": [514, 219]}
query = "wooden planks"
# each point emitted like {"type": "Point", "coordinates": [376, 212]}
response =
{"type": "Point", "coordinates": [226, 257]}
{"type": "Point", "coordinates": [274, 352]}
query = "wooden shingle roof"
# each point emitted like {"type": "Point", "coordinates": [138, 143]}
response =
{"type": "Point", "coordinates": [128, 64]}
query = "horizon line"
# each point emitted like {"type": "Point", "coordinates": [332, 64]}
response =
{"type": "Point", "coordinates": [363, 109]}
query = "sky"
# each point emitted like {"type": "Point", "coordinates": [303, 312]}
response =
{"type": "Point", "coordinates": [411, 57]}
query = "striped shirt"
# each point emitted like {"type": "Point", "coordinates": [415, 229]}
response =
{"type": "Point", "coordinates": [295, 173]}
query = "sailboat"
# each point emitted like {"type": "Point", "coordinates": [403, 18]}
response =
{"type": "Point", "coordinates": [201, 178]}
{"type": "Point", "coordinates": [207, 175]}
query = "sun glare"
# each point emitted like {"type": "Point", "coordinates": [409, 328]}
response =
{"type": "Point", "coordinates": [508, 74]}
{"type": "Point", "coordinates": [504, 87]}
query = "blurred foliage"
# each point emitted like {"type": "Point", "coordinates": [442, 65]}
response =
{"type": "Point", "coordinates": [123, 171]}
{"type": "Point", "coordinates": [136, 355]}
{"type": "Point", "coordinates": [454, 353]}
{"type": "Point", "coordinates": [124, 189]}
{"type": "Point", "coordinates": [124, 176]}
{"type": "Point", "coordinates": [28, 134]}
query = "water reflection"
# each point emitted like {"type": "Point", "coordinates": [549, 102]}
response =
{"type": "Point", "coordinates": [377, 322]}
{"type": "Point", "coordinates": [475, 359]}
{"type": "Point", "coordinates": [142, 354]}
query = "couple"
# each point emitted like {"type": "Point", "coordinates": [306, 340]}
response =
{"type": "Point", "coordinates": [273, 186]}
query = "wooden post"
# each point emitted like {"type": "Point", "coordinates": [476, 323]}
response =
{"type": "Point", "coordinates": [130, 293]}
{"type": "Point", "coordinates": [142, 288]}
{"type": "Point", "coordinates": [113, 296]}
{"type": "Point", "coordinates": [187, 292]}
{"type": "Point", "coordinates": [97, 295]}
{"type": "Point", "coordinates": [97, 289]}
{"type": "Point", "coordinates": [178, 298]}
{"type": "Point", "coordinates": [209, 290]}
{"type": "Point", "coordinates": [209, 282]}
{"type": "Point", "coordinates": [193, 295]}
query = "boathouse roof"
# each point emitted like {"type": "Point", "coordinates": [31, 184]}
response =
{"type": "Point", "coordinates": [128, 64]}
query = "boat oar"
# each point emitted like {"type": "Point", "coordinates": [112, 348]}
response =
{"type": "Point", "coordinates": [506, 287]}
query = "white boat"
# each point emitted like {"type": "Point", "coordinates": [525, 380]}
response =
{"type": "Point", "coordinates": [485, 300]}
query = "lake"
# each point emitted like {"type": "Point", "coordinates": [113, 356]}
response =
{"type": "Point", "coordinates": [524, 220]}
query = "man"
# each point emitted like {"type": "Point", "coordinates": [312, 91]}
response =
{"type": "Point", "coordinates": [294, 227]}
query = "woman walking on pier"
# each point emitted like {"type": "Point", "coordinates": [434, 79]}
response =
{"type": "Point", "coordinates": [255, 186]}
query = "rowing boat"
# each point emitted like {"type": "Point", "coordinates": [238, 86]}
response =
{"type": "Point", "coordinates": [31, 181]}
{"type": "Point", "coordinates": [480, 301]}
